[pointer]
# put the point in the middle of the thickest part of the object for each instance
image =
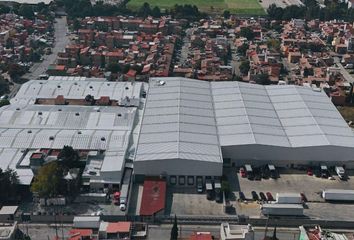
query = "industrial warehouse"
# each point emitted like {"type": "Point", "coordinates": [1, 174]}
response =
{"type": "Point", "coordinates": [172, 127]}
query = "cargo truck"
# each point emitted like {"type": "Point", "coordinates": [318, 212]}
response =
{"type": "Point", "coordinates": [338, 195]}
{"type": "Point", "coordinates": [340, 172]}
{"type": "Point", "coordinates": [282, 209]}
{"type": "Point", "coordinates": [288, 198]}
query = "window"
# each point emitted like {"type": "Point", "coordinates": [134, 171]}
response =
{"type": "Point", "coordinates": [181, 180]}
{"type": "Point", "coordinates": [190, 180]}
{"type": "Point", "coordinates": [173, 180]}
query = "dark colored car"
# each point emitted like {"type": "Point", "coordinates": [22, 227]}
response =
{"type": "Point", "coordinates": [255, 196]}
{"type": "Point", "coordinates": [269, 196]}
{"type": "Point", "coordinates": [263, 196]}
{"type": "Point", "coordinates": [242, 196]}
{"type": "Point", "coordinates": [303, 197]}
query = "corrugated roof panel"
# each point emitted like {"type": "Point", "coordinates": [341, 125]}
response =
{"type": "Point", "coordinates": [197, 128]}
{"type": "Point", "coordinates": [294, 113]}
{"type": "Point", "coordinates": [234, 120]}
{"type": "Point", "coordinates": [196, 119]}
{"type": "Point", "coordinates": [235, 129]}
{"type": "Point", "coordinates": [308, 140]}
{"type": "Point", "coordinates": [265, 121]}
{"type": "Point", "coordinates": [230, 112]}
{"type": "Point", "coordinates": [289, 105]}
{"type": "Point", "coordinates": [266, 139]}
{"type": "Point", "coordinates": [270, 130]}
{"type": "Point", "coordinates": [151, 148]}
{"type": "Point", "coordinates": [303, 130]}
{"type": "Point", "coordinates": [156, 128]}
{"type": "Point", "coordinates": [158, 137]}
{"type": "Point", "coordinates": [298, 121]}
{"type": "Point", "coordinates": [196, 111]}
{"type": "Point", "coordinates": [261, 112]}
{"type": "Point", "coordinates": [259, 105]}
{"type": "Point", "coordinates": [198, 138]}
{"type": "Point", "coordinates": [236, 139]}
{"type": "Point", "coordinates": [197, 148]}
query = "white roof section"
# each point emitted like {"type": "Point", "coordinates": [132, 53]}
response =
{"type": "Point", "coordinates": [285, 116]}
{"type": "Point", "coordinates": [76, 88]}
{"type": "Point", "coordinates": [8, 210]}
{"type": "Point", "coordinates": [178, 122]}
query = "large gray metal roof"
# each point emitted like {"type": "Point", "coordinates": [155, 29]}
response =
{"type": "Point", "coordinates": [179, 122]}
{"type": "Point", "coordinates": [190, 118]}
{"type": "Point", "coordinates": [289, 116]}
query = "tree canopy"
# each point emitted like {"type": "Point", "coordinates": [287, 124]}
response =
{"type": "Point", "coordinates": [48, 181]}
{"type": "Point", "coordinates": [262, 79]}
{"type": "Point", "coordinates": [68, 157]}
{"type": "Point", "coordinates": [247, 33]}
{"type": "Point", "coordinates": [244, 67]}
{"type": "Point", "coordinates": [8, 184]}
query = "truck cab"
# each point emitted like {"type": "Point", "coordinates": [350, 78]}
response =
{"type": "Point", "coordinates": [249, 171]}
{"type": "Point", "coordinates": [324, 171]}
{"type": "Point", "coordinates": [209, 189]}
{"type": "Point", "coordinates": [340, 172]}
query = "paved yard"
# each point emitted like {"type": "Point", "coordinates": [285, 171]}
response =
{"type": "Point", "coordinates": [186, 201]}
{"type": "Point", "coordinates": [293, 181]}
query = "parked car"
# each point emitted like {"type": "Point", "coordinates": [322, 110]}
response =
{"type": "Point", "coordinates": [243, 172]}
{"type": "Point", "coordinates": [242, 196]}
{"type": "Point", "coordinates": [263, 196]}
{"type": "Point", "coordinates": [269, 196]}
{"type": "Point", "coordinates": [255, 196]}
{"type": "Point", "coordinates": [303, 197]}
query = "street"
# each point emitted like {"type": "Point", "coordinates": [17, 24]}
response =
{"type": "Point", "coordinates": [61, 40]}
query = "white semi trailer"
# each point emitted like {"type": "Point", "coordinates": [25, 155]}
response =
{"type": "Point", "coordinates": [275, 209]}
{"type": "Point", "coordinates": [288, 198]}
{"type": "Point", "coordinates": [338, 195]}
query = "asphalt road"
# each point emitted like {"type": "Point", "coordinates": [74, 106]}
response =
{"type": "Point", "coordinates": [61, 40]}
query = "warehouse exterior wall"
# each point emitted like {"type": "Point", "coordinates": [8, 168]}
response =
{"type": "Point", "coordinates": [177, 167]}
{"type": "Point", "coordinates": [283, 156]}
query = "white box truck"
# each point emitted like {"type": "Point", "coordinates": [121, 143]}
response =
{"type": "Point", "coordinates": [282, 209]}
{"type": "Point", "coordinates": [288, 198]}
{"type": "Point", "coordinates": [340, 172]}
{"type": "Point", "coordinates": [338, 195]}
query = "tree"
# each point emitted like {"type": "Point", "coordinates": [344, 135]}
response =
{"type": "Point", "coordinates": [8, 184]}
{"type": "Point", "coordinates": [4, 102]}
{"type": "Point", "coordinates": [226, 14]}
{"type": "Point", "coordinates": [225, 187]}
{"type": "Point", "coordinates": [26, 11]}
{"type": "Point", "coordinates": [262, 79]}
{"type": "Point", "coordinates": [68, 157]}
{"type": "Point", "coordinates": [174, 230]}
{"type": "Point", "coordinates": [244, 67]}
{"type": "Point", "coordinates": [114, 68]}
{"type": "Point", "coordinates": [156, 12]}
{"type": "Point", "coordinates": [4, 86]}
{"type": "Point", "coordinates": [243, 49]}
{"type": "Point", "coordinates": [48, 181]}
{"type": "Point", "coordinates": [145, 10]}
{"type": "Point", "coordinates": [237, 78]}
{"type": "Point", "coordinates": [15, 70]}
{"type": "Point", "coordinates": [273, 44]}
{"type": "Point", "coordinates": [247, 33]}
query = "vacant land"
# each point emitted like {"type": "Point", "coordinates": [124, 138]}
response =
{"type": "Point", "coordinates": [242, 7]}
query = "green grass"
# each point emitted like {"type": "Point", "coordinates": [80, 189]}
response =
{"type": "Point", "coordinates": [241, 7]}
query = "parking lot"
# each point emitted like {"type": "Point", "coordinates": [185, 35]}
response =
{"type": "Point", "coordinates": [295, 181]}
